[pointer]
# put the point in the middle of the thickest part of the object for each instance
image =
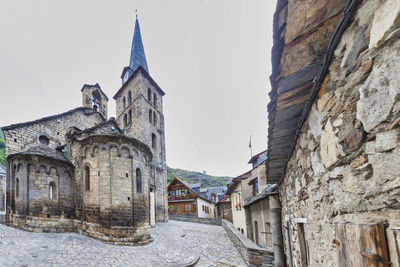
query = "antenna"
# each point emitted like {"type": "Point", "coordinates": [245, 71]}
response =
{"type": "Point", "coordinates": [251, 149]}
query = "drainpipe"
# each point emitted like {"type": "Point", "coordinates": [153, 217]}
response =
{"type": "Point", "coordinates": [276, 226]}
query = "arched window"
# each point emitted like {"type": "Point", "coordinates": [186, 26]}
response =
{"type": "Point", "coordinates": [87, 178]}
{"type": "Point", "coordinates": [154, 140]}
{"type": "Point", "coordinates": [44, 140]}
{"type": "Point", "coordinates": [124, 102]}
{"type": "Point", "coordinates": [149, 94]}
{"type": "Point", "coordinates": [129, 97]}
{"type": "Point", "coordinates": [154, 99]}
{"type": "Point", "coordinates": [52, 190]}
{"type": "Point", "coordinates": [138, 181]}
{"type": "Point", "coordinates": [154, 119]}
{"type": "Point", "coordinates": [125, 120]}
{"type": "Point", "coordinates": [130, 116]}
{"type": "Point", "coordinates": [17, 188]}
{"type": "Point", "coordinates": [150, 115]}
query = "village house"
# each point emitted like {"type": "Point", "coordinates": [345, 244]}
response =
{"type": "Point", "coordinates": [239, 191]}
{"type": "Point", "coordinates": [333, 136]}
{"type": "Point", "coordinates": [223, 209]}
{"type": "Point", "coordinates": [186, 200]}
{"type": "Point", "coordinates": [243, 188]}
{"type": "Point", "coordinates": [78, 171]}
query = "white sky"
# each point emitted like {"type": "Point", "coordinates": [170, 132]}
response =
{"type": "Point", "coordinates": [211, 57]}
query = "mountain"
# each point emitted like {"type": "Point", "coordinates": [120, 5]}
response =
{"type": "Point", "coordinates": [2, 149]}
{"type": "Point", "coordinates": [197, 177]}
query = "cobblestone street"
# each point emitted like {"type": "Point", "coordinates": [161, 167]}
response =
{"type": "Point", "coordinates": [176, 244]}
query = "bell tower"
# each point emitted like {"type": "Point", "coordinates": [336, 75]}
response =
{"type": "Point", "coordinates": [139, 108]}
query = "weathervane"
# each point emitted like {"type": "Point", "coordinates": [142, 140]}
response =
{"type": "Point", "coordinates": [136, 12]}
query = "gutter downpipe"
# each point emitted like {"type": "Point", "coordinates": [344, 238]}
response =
{"type": "Point", "coordinates": [276, 227]}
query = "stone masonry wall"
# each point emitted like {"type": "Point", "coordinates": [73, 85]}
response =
{"type": "Point", "coordinates": [141, 128]}
{"type": "Point", "coordinates": [113, 199]}
{"type": "Point", "coordinates": [35, 175]}
{"type": "Point", "coordinates": [26, 135]}
{"type": "Point", "coordinates": [345, 167]}
{"type": "Point", "coordinates": [253, 255]}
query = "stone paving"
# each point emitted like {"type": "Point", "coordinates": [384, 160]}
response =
{"type": "Point", "coordinates": [176, 244]}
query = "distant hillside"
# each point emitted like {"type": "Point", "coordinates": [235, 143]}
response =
{"type": "Point", "coordinates": [2, 149]}
{"type": "Point", "coordinates": [197, 177]}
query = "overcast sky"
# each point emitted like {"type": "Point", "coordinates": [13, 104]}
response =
{"type": "Point", "coordinates": [211, 57]}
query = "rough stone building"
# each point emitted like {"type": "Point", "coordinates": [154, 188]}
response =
{"type": "Point", "coordinates": [333, 143]}
{"type": "Point", "coordinates": [223, 209]}
{"type": "Point", "coordinates": [79, 171]}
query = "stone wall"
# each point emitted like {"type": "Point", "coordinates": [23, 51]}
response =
{"type": "Point", "coordinates": [194, 219]}
{"type": "Point", "coordinates": [224, 211]}
{"type": "Point", "coordinates": [259, 212]}
{"type": "Point", "coordinates": [25, 135]}
{"type": "Point", "coordinates": [343, 176]}
{"type": "Point", "coordinates": [140, 126]}
{"type": "Point", "coordinates": [253, 255]}
{"type": "Point", "coordinates": [114, 198]}
{"type": "Point", "coordinates": [29, 185]}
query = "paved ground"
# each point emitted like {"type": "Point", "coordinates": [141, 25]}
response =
{"type": "Point", "coordinates": [176, 244]}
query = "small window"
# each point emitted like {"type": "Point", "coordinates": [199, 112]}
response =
{"type": "Point", "coordinates": [129, 97]}
{"type": "Point", "coordinates": [124, 102]}
{"type": "Point", "coordinates": [17, 188]}
{"type": "Point", "coordinates": [153, 140]}
{"type": "Point", "coordinates": [149, 94]}
{"type": "Point", "coordinates": [52, 190]}
{"type": "Point", "coordinates": [150, 115]}
{"type": "Point", "coordinates": [130, 116]}
{"type": "Point", "coordinates": [242, 231]}
{"type": "Point", "coordinates": [87, 178]}
{"type": "Point", "coordinates": [155, 100]}
{"type": "Point", "coordinates": [44, 140]}
{"type": "Point", "coordinates": [138, 181]}
{"type": "Point", "coordinates": [125, 120]}
{"type": "Point", "coordinates": [154, 119]}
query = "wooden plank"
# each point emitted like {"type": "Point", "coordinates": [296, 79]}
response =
{"type": "Point", "coordinates": [298, 78]}
{"type": "Point", "coordinates": [340, 233]}
{"type": "Point", "coordinates": [393, 236]}
{"type": "Point", "coordinates": [374, 251]}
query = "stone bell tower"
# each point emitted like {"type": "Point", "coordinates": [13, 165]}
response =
{"type": "Point", "coordinates": [139, 108]}
{"type": "Point", "coordinates": [94, 97]}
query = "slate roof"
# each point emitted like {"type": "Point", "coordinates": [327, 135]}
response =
{"type": "Point", "coordinates": [271, 189]}
{"type": "Point", "coordinates": [256, 160]}
{"type": "Point", "coordinates": [85, 109]}
{"type": "Point", "coordinates": [218, 191]}
{"type": "Point", "coordinates": [236, 181]}
{"type": "Point", "coordinates": [138, 58]}
{"type": "Point", "coordinates": [45, 151]}
{"type": "Point", "coordinates": [109, 127]}
{"type": "Point", "coordinates": [292, 96]}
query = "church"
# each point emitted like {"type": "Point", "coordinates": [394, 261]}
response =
{"type": "Point", "coordinates": [80, 171]}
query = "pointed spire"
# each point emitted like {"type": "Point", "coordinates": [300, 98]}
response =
{"type": "Point", "coordinates": [138, 57]}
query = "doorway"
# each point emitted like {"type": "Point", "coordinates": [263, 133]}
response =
{"type": "Point", "coordinates": [152, 208]}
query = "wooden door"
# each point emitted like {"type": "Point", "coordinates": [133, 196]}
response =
{"type": "Point", "coordinates": [256, 233]}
